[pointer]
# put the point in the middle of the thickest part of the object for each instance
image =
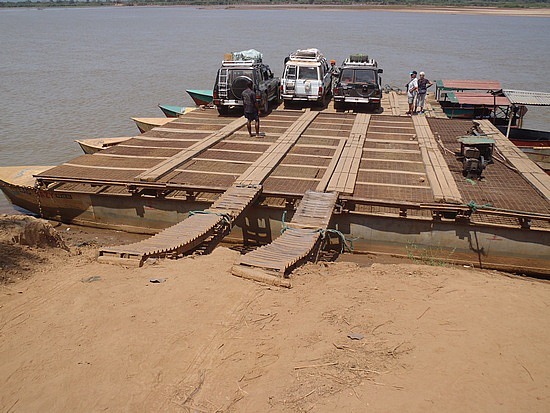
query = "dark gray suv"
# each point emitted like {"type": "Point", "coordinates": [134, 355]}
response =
{"type": "Point", "coordinates": [359, 83]}
{"type": "Point", "coordinates": [233, 77]}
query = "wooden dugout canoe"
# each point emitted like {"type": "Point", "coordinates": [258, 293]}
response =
{"type": "Point", "coordinates": [94, 145]}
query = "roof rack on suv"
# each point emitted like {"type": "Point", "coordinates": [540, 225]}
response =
{"type": "Point", "coordinates": [244, 58]}
{"type": "Point", "coordinates": [360, 60]}
{"type": "Point", "coordinates": [306, 55]}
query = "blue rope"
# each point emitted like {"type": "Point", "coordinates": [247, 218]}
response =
{"type": "Point", "coordinates": [283, 223]}
{"type": "Point", "coordinates": [347, 244]}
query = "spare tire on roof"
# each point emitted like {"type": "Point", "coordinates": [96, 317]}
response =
{"type": "Point", "coordinates": [239, 85]}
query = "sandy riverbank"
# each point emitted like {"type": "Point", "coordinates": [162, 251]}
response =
{"type": "Point", "coordinates": [493, 11]}
{"type": "Point", "coordinates": [76, 335]}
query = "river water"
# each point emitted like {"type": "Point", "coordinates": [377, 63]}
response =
{"type": "Point", "coordinates": [76, 73]}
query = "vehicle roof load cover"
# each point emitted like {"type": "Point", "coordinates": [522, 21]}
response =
{"type": "Point", "coordinates": [250, 55]}
{"type": "Point", "coordinates": [359, 59]}
{"type": "Point", "coordinates": [306, 54]}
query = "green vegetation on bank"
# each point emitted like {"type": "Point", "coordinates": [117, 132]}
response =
{"type": "Point", "coordinates": [455, 3]}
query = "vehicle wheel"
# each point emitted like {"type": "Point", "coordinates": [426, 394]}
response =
{"type": "Point", "coordinates": [338, 105]}
{"type": "Point", "coordinates": [239, 85]}
{"type": "Point", "coordinates": [223, 110]}
{"type": "Point", "coordinates": [321, 102]}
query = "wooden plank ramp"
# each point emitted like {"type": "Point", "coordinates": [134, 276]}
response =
{"type": "Point", "coordinates": [441, 180]}
{"type": "Point", "coordinates": [345, 173]}
{"type": "Point", "coordinates": [393, 98]}
{"type": "Point", "coordinates": [188, 234]}
{"type": "Point", "coordinates": [216, 221]}
{"type": "Point", "coordinates": [299, 242]}
{"type": "Point", "coordinates": [536, 177]}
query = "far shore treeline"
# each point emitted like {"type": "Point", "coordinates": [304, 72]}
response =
{"type": "Point", "coordinates": [433, 3]}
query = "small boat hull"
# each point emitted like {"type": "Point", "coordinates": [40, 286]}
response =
{"type": "Point", "coordinates": [172, 111]}
{"type": "Point", "coordinates": [90, 146]}
{"type": "Point", "coordinates": [200, 96]}
{"type": "Point", "coordinates": [175, 111]}
{"type": "Point", "coordinates": [146, 124]}
{"type": "Point", "coordinates": [539, 155]}
{"type": "Point", "coordinates": [534, 143]}
{"type": "Point", "coordinates": [527, 137]}
{"type": "Point", "coordinates": [17, 183]}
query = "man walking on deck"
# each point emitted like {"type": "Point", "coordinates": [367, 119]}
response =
{"type": "Point", "coordinates": [412, 89]}
{"type": "Point", "coordinates": [251, 109]}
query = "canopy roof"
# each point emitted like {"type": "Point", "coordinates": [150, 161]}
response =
{"type": "Point", "coordinates": [465, 84]}
{"type": "Point", "coordinates": [526, 97]}
{"type": "Point", "coordinates": [478, 99]}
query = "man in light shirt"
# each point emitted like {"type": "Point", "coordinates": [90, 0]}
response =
{"type": "Point", "coordinates": [412, 90]}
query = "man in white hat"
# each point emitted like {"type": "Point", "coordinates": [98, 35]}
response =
{"type": "Point", "coordinates": [423, 85]}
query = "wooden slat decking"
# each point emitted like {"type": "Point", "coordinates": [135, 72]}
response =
{"type": "Point", "coordinates": [168, 165]}
{"type": "Point", "coordinates": [439, 175]}
{"type": "Point", "coordinates": [265, 164]}
{"type": "Point", "coordinates": [539, 179]}
{"type": "Point", "coordinates": [394, 102]}
{"type": "Point", "coordinates": [345, 173]}
{"type": "Point", "coordinates": [391, 166]}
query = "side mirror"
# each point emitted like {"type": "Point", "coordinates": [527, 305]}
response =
{"type": "Point", "coordinates": [380, 70]}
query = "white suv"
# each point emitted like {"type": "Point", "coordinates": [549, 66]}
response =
{"type": "Point", "coordinates": [307, 76]}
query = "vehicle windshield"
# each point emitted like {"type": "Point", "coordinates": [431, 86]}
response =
{"type": "Point", "coordinates": [346, 76]}
{"type": "Point", "coordinates": [307, 73]}
{"type": "Point", "coordinates": [364, 76]}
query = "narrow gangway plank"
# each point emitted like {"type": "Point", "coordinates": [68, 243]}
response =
{"type": "Point", "coordinates": [301, 239]}
{"type": "Point", "coordinates": [187, 234]}
{"type": "Point", "coordinates": [345, 173]}
{"type": "Point", "coordinates": [441, 180]}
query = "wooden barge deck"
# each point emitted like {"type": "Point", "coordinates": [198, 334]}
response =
{"type": "Point", "coordinates": [380, 165]}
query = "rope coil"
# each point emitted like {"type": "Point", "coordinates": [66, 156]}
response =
{"type": "Point", "coordinates": [347, 244]}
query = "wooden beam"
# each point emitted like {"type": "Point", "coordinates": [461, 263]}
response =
{"type": "Point", "coordinates": [439, 175]}
{"type": "Point", "coordinates": [345, 173]}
